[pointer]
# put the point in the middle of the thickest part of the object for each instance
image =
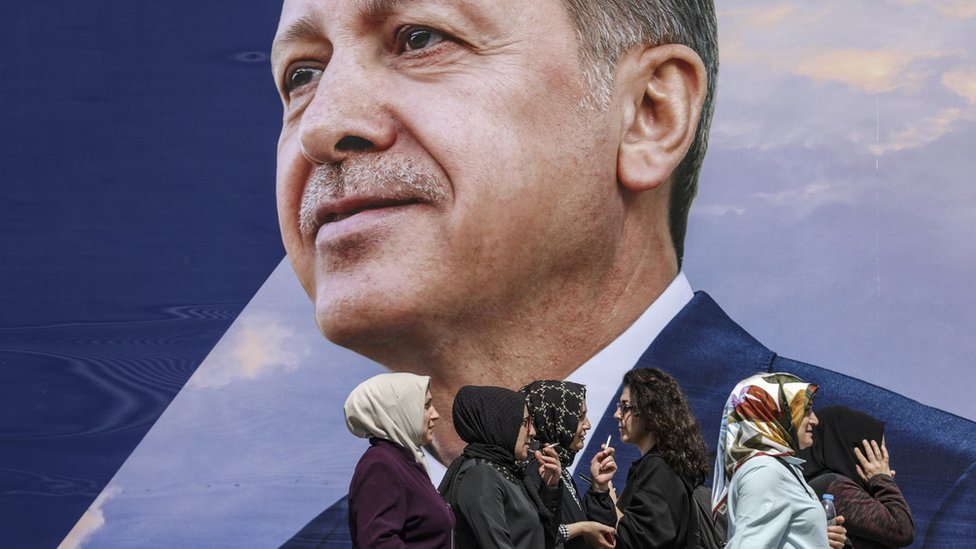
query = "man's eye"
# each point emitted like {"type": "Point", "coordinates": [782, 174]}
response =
{"type": "Point", "coordinates": [413, 39]}
{"type": "Point", "coordinates": [301, 76]}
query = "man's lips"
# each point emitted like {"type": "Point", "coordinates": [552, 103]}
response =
{"type": "Point", "coordinates": [333, 211]}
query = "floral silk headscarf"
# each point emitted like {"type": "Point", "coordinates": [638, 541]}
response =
{"type": "Point", "coordinates": [761, 417]}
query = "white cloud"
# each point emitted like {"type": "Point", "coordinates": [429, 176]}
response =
{"type": "Point", "coordinates": [256, 345]}
{"type": "Point", "coordinates": [925, 131]}
{"type": "Point", "coordinates": [719, 209]}
{"type": "Point", "coordinates": [872, 71]}
{"type": "Point", "coordinates": [804, 199]}
{"type": "Point", "coordinates": [956, 9]}
{"type": "Point", "coordinates": [91, 521]}
{"type": "Point", "coordinates": [962, 82]}
{"type": "Point", "coordinates": [760, 18]}
{"type": "Point", "coordinates": [961, 9]}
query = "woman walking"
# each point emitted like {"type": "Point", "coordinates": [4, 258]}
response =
{"type": "Point", "coordinates": [558, 410]}
{"type": "Point", "coordinates": [849, 460]}
{"type": "Point", "coordinates": [767, 419]}
{"type": "Point", "coordinates": [484, 485]}
{"type": "Point", "coordinates": [392, 502]}
{"type": "Point", "coordinates": [656, 509]}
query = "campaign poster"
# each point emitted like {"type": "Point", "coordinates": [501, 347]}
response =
{"type": "Point", "coordinates": [162, 381]}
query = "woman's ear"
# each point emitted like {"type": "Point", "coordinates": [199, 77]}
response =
{"type": "Point", "coordinates": [665, 88]}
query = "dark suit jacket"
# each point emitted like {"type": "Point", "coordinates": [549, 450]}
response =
{"type": "Point", "coordinates": [933, 452]}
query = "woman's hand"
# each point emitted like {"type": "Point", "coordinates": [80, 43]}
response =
{"type": "Point", "coordinates": [837, 535]}
{"type": "Point", "coordinates": [549, 467]}
{"type": "Point", "coordinates": [595, 534]}
{"type": "Point", "coordinates": [873, 461]}
{"type": "Point", "coordinates": [602, 468]}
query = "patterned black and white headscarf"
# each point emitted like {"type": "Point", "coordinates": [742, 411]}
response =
{"type": "Point", "coordinates": [557, 409]}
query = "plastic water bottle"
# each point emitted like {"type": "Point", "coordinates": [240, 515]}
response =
{"type": "Point", "coordinates": [828, 503]}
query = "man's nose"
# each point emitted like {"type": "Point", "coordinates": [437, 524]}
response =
{"type": "Point", "coordinates": [347, 114]}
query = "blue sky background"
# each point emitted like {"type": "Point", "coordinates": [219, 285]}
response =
{"type": "Point", "coordinates": [835, 222]}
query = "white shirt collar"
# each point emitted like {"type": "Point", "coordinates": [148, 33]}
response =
{"type": "Point", "coordinates": [603, 372]}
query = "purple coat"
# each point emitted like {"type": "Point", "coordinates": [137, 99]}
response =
{"type": "Point", "coordinates": [392, 502]}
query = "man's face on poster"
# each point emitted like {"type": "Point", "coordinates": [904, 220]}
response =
{"type": "Point", "coordinates": [439, 161]}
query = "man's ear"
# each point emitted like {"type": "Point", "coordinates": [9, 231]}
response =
{"type": "Point", "coordinates": [664, 88]}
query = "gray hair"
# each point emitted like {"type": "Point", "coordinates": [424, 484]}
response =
{"type": "Point", "coordinates": [608, 28]}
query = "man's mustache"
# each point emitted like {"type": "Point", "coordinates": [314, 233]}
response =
{"type": "Point", "coordinates": [381, 177]}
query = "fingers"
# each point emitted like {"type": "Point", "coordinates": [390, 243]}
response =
{"type": "Point", "coordinates": [868, 451]}
{"type": "Point", "coordinates": [874, 459]}
{"type": "Point", "coordinates": [550, 473]}
{"type": "Point", "coordinates": [877, 451]}
{"type": "Point", "coordinates": [608, 537]}
{"type": "Point", "coordinates": [602, 468]}
{"type": "Point", "coordinates": [606, 541]}
{"type": "Point", "coordinates": [837, 535]}
{"type": "Point", "coordinates": [549, 467]}
{"type": "Point", "coordinates": [604, 453]}
{"type": "Point", "coordinates": [550, 456]}
{"type": "Point", "coordinates": [546, 455]}
{"type": "Point", "coordinates": [605, 458]}
{"type": "Point", "coordinates": [871, 451]}
{"type": "Point", "coordinates": [870, 462]}
{"type": "Point", "coordinates": [863, 466]}
{"type": "Point", "coordinates": [605, 535]}
{"type": "Point", "coordinates": [552, 467]}
{"type": "Point", "coordinates": [549, 463]}
{"type": "Point", "coordinates": [838, 520]}
{"type": "Point", "coordinates": [882, 456]}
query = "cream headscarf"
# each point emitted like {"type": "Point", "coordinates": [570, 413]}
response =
{"type": "Point", "coordinates": [390, 406]}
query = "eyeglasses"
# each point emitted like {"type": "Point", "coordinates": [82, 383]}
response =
{"type": "Point", "coordinates": [624, 407]}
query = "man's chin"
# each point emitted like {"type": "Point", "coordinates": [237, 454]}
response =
{"type": "Point", "coordinates": [363, 321]}
{"type": "Point", "coordinates": [445, 449]}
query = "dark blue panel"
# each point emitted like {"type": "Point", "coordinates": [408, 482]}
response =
{"type": "Point", "coordinates": [137, 173]}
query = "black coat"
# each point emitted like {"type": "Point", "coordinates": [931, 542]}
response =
{"type": "Point", "coordinates": [657, 507]}
{"type": "Point", "coordinates": [495, 511]}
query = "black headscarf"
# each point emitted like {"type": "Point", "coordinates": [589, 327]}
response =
{"type": "Point", "coordinates": [839, 431]}
{"type": "Point", "coordinates": [489, 420]}
{"type": "Point", "coordinates": [556, 408]}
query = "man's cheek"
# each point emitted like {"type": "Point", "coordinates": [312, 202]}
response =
{"type": "Point", "coordinates": [292, 171]}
